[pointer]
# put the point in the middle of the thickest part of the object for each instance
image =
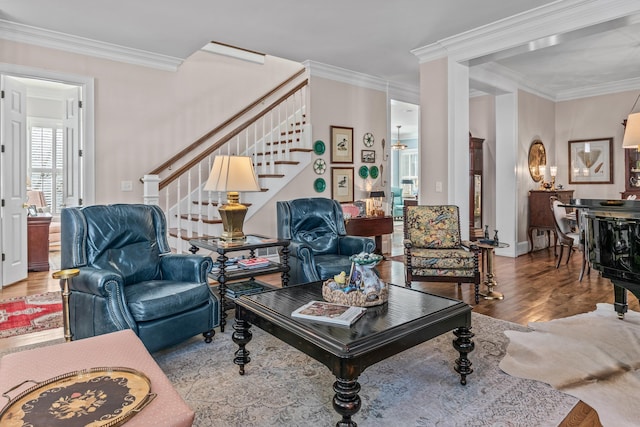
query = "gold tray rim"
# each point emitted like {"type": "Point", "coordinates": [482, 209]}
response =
{"type": "Point", "coordinates": [110, 423]}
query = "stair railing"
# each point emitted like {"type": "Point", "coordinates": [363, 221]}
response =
{"type": "Point", "coordinates": [269, 136]}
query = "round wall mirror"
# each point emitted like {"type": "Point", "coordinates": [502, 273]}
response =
{"type": "Point", "coordinates": [537, 158]}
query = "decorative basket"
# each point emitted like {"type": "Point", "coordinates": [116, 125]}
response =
{"type": "Point", "coordinates": [357, 297]}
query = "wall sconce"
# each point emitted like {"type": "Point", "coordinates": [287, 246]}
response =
{"type": "Point", "coordinates": [542, 171]}
{"type": "Point", "coordinates": [232, 174]}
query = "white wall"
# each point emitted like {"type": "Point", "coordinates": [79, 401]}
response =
{"type": "Point", "coordinates": [334, 103]}
{"type": "Point", "coordinates": [589, 118]}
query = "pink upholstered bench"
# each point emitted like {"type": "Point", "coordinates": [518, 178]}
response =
{"type": "Point", "coordinates": [117, 349]}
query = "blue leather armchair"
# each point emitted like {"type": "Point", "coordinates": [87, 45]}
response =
{"type": "Point", "coordinates": [320, 247]}
{"type": "Point", "coordinates": [129, 279]}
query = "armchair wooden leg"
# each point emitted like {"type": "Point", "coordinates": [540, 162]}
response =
{"type": "Point", "coordinates": [208, 336]}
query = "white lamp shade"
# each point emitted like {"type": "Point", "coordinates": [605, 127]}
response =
{"type": "Point", "coordinates": [232, 173]}
{"type": "Point", "coordinates": [632, 131]}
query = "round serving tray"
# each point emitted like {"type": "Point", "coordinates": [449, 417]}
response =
{"type": "Point", "coordinates": [93, 397]}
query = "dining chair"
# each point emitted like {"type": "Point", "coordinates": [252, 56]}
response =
{"type": "Point", "coordinates": [566, 236]}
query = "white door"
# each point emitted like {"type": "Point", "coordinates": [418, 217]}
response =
{"type": "Point", "coordinates": [13, 167]}
{"type": "Point", "coordinates": [72, 166]}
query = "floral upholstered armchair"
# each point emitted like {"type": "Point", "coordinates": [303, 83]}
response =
{"type": "Point", "coordinates": [433, 249]}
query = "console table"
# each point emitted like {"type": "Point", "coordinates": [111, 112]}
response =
{"type": "Point", "coordinates": [370, 226]}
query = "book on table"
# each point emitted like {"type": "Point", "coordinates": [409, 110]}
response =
{"type": "Point", "coordinates": [327, 312]}
{"type": "Point", "coordinates": [250, 263]}
{"type": "Point", "coordinates": [236, 289]}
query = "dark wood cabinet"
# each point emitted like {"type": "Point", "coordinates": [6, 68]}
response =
{"type": "Point", "coordinates": [38, 243]}
{"type": "Point", "coordinates": [475, 187]}
{"type": "Point", "coordinates": [540, 215]}
{"type": "Point", "coordinates": [631, 173]}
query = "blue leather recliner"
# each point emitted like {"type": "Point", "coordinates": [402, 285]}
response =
{"type": "Point", "coordinates": [129, 279]}
{"type": "Point", "coordinates": [320, 247]}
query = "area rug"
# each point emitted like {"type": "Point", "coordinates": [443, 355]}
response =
{"type": "Point", "coordinates": [594, 357]}
{"type": "Point", "coordinates": [418, 387]}
{"type": "Point", "coordinates": [23, 315]}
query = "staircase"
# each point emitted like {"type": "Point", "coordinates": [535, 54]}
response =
{"type": "Point", "coordinates": [274, 131]}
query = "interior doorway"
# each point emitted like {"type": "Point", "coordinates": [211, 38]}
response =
{"type": "Point", "coordinates": [53, 154]}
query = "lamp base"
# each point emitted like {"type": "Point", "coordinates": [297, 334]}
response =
{"type": "Point", "coordinates": [232, 214]}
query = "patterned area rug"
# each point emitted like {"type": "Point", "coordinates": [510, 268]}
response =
{"type": "Point", "coordinates": [593, 356]}
{"type": "Point", "coordinates": [23, 315]}
{"type": "Point", "coordinates": [418, 387]}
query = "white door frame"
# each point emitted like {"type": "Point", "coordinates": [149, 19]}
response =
{"type": "Point", "coordinates": [87, 127]}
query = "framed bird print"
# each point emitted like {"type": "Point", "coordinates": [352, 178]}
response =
{"type": "Point", "coordinates": [341, 144]}
{"type": "Point", "coordinates": [342, 184]}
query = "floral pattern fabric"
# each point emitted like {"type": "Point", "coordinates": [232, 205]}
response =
{"type": "Point", "coordinates": [433, 227]}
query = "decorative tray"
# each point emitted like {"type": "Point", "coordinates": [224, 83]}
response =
{"type": "Point", "coordinates": [90, 397]}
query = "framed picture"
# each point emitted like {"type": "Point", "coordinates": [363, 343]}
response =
{"type": "Point", "coordinates": [341, 144]}
{"type": "Point", "coordinates": [342, 184]}
{"type": "Point", "coordinates": [32, 211]}
{"type": "Point", "coordinates": [368, 156]}
{"type": "Point", "coordinates": [591, 161]}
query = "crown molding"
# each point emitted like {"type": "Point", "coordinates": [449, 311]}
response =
{"type": "Point", "coordinates": [55, 40]}
{"type": "Point", "coordinates": [597, 90]}
{"type": "Point", "coordinates": [555, 18]}
{"type": "Point", "coordinates": [400, 91]}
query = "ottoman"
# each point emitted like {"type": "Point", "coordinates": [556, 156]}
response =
{"type": "Point", "coordinates": [116, 349]}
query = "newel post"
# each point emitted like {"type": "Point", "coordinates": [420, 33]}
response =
{"type": "Point", "coordinates": [151, 190]}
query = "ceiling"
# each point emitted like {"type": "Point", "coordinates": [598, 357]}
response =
{"type": "Point", "coordinates": [374, 37]}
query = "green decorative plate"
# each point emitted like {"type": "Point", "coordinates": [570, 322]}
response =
{"type": "Point", "coordinates": [318, 147]}
{"type": "Point", "coordinates": [373, 171]}
{"type": "Point", "coordinates": [319, 185]}
{"type": "Point", "coordinates": [363, 172]}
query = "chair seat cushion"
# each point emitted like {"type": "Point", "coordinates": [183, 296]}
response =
{"type": "Point", "coordinates": [329, 265]}
{"type": "Point", "coordinates": [438, 259]}
{"type": "Point", "coordinates": [156, 299]}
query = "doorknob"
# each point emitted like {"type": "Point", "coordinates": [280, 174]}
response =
{"type": "Point", "coordinates": [25, 205]}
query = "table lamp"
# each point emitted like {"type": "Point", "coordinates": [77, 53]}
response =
{"type": "Point", "coordinates": [631, 137]}
{"type": "Point", "coordinates": [232, 174]}
{"type": "Point", "coordinates": [377, 197]}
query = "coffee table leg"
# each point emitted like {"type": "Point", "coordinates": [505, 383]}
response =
{"type": "Point", "coordinates": [241, 336]}
{"type": "Point", "coordinates": [464, 345]}
{"type": "Point", "coordinates": [346, 401]}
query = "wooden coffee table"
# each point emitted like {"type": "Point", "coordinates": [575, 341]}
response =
{"type": "Point", "coordinates": [409, 318]}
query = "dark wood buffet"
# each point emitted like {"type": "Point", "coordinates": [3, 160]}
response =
{"type": "Point", "coordinates": [540, 215]}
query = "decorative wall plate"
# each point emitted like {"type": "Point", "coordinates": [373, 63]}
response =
{"type": "Point", "coordinates": [374, 172]}
{"type": "Point", "coordinates": [318, 147]}
{"type": "Point", "coordinates": [319, 166]}
{"type": "Point", "coordinates": [363, 172]}
{"type": "Point", "coordinates": [368, 139]}
{"type": "Point", "coordinates": [319, 185]}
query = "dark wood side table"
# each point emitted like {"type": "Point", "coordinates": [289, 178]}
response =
{"type": "Point", "coordinates": [38, 243]}
{"type": "Point", "coordinates": [409, 318]}
{"type": "Point", "coordinates": [370, 226]}
{"type": "Point", "coordinates": [251, 244]}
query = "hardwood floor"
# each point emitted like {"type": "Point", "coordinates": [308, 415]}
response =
{"type": "Point", "coordinates": [534, 290]}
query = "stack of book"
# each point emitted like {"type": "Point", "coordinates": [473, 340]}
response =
{"type": "Point", "coordinates": [234, 290]}
{"type": "Point", "coordinates": [250, 263]}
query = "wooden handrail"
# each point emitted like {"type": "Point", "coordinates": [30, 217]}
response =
{"type": "Point", "coordinates": [178, 172]}
{"type": "Point", "coordinates": [221, 126]}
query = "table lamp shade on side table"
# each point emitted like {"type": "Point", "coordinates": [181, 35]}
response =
{"type": "Point", "coordinates": [232, 174]}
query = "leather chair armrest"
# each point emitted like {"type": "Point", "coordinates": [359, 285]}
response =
{"type": "Point", "coordinates": [96, 282]}
{"type": "Point", "coordinates": [304, 253]}
{"type": "Point", "coordinates": [185, 267]}
{"type": "Point", "coordinates": [352, 245]}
